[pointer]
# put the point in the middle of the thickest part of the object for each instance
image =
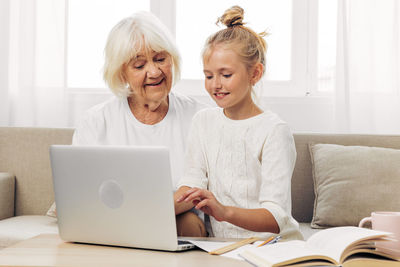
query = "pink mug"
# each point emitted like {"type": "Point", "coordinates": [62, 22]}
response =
{"type": "Point", "coordinates": [388, 221]}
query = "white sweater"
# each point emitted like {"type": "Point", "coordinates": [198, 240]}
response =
{"type": "Point", "coordinates": [244, 163]}
{"type": "Point", "coordinates": [112, 123]}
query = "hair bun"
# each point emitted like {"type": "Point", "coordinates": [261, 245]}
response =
{"type": "Point", "coordinates": [232, 17]}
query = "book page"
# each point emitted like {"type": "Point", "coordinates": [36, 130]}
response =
{"type": "Point", "coordinates": [209, 245]}
{"type": "Point", "coordinates": [334, 241]}
{"type": "Point", "coordinates": [370, 261]}
{"type": "Point", "coordinates": [284, 253]}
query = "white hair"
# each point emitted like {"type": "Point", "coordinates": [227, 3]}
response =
{"type": "Point", "coordinates": [127, 39]}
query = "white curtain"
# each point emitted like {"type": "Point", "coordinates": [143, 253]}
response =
{"type": "Point", "coordinates": [368, 67]}
{"type": "Point", "coordinates": [33, 84]}
{"type": "Point", "coordinates": [33, 89]}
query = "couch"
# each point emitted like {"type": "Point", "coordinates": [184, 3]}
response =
{"type": "Point", "coordinates": [26, 189]}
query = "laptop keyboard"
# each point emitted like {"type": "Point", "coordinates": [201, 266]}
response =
{"type": "Point", "coordinates": [183, 242]}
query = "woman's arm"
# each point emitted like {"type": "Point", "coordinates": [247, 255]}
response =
{"type": "Point", "coordinates": [195, 170]}
{"type": "Point", "coordinates": [257, 220]}
{"type": "Point", "coordinates": [88, 129]}
{"type": "Point", "coordinates": [181, 207]}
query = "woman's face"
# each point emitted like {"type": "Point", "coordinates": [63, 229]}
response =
{"type": "Point", "coordinates": [149, 75]}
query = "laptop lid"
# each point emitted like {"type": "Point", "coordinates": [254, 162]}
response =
{"type": "Point", "coordinates": [114, 195]}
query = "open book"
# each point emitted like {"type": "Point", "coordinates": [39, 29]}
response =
{"type": "Point", "coordinates": [339, 246]}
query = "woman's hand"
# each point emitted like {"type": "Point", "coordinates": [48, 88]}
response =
{"type": "Point", "coordinates": [205, 201]}
{"type": "Point", "coordinates": [181, 207]}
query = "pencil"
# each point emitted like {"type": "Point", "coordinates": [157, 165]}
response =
{"type": "Point", "coordinates": [266, 241]}
{"type": "Point", "coordinates": [233, 246]}
{"type": "Point", "coordinates": [276, 239]}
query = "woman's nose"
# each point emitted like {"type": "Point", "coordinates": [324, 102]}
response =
{"type": "Point", "coordinates": [153, 71]}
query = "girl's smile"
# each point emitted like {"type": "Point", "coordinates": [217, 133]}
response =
{"type": "Point", "coordinates": [220, 96]}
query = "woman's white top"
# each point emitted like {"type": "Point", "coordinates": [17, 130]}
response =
{"type": "Point", "coordinates": [244, 163]}
{"type": "Point", "coordinates": [112, 123]}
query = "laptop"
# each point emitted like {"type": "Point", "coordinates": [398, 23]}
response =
{"type": "Point", "coordinates": [115, 195]}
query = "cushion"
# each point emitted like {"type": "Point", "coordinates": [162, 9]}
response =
{"type": "Point", "coordinates": [7, 195]}
{"type": "Point", "coordinates": [52, 211]}
{"type": "Point", "coordinates": [15, 229]}
{"type": "Point", "coordinates": [306, 230]}
{"type": "Point", "coordinates": [352, 181]}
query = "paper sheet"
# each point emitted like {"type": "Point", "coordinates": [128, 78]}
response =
{"type": "Point", "coordinates": [213, 245]}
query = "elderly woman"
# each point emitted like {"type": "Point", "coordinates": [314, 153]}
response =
{"type": "Point", "coordinates": [141, 65]}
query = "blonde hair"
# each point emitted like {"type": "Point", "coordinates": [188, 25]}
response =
{"type": "Point", "coordinates": [127, 39]}
{"type": "Point", "coordinates": [249, 45]}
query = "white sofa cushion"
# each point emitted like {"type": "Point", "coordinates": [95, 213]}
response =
{"type": "Point", "coordinates": [306, 230]}
{"type": "Point", "coordinates": [15, 229]}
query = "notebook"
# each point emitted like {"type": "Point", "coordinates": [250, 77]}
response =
{"type": "Point", "coordinates": [115, 195]}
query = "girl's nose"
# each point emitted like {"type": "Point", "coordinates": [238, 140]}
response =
{"type": "Point", "coordinates": [217, 83]}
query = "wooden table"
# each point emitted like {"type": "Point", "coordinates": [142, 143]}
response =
{"type": "Point", "coordinates": [50, 250]}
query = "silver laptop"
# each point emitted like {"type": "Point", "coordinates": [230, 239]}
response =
{"type": "Point", "coordinates": [115, 195]}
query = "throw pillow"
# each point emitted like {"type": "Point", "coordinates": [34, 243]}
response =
{"type": "Point", "coordinates": [352, 181]}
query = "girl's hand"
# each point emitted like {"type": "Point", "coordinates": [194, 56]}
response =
{"type": "Point", "coordinates": [205, 201]}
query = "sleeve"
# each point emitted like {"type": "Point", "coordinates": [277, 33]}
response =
{"type": "Point", "coordinates": [86, 132]}
{"type": "Point", "coordinates": [278, 160]}
{"type": "Point", "coordinates": [195, 164]}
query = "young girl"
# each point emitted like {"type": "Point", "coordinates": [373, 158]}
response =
{"type": "Point", "coordinates": [240, 159]}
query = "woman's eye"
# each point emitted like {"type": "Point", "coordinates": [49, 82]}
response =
{"type": "Point", "coordinates": [208, 77]}
{"type": "Point", "coordinates": [138, 64]}
{"type": "Point", "coordinates": [227, 75]}
{"type": "Point", "coordinates": [160, 59]}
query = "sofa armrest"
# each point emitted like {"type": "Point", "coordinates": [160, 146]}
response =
{"type": "Point", "coordinates": [7, 190]}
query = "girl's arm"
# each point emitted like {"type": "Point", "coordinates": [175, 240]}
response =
{"type": "Point", "coordinates": [257, 220]}
{"type": "Point", "coordinates": [278, 160]}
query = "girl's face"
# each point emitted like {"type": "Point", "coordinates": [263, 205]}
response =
{"type": "Point", "coordinates": [227, 79]}
{"type": "Point", "coordinates": [149, 75]}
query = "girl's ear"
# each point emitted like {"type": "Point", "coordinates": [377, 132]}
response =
{"type": "Point", "coordinates": [257, 73]}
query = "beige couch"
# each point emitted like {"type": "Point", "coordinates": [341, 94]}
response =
{"type": "Point", "coordinates": [26, 189]}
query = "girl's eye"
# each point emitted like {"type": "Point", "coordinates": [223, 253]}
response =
{"type": "Point", "coordinates": [208, 77]}
{"type": "Point", "coordinates": [227, 75]}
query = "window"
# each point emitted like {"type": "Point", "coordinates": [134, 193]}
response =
{"type": "Point", "coordinates": [88, 28]}
{"type": "Point", "coordinates": [195, 22]}
{"type": "Point", "coordinates": [301, 58]}
{"type": "Point", "coordinates": [327, 19]}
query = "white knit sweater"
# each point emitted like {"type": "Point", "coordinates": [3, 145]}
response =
{"type": "Point", "coordinates": [244, 163]}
